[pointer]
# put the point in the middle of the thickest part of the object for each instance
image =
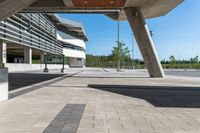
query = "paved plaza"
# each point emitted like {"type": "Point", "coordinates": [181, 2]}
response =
{"type": "Point", "coordinates": [102, 101]}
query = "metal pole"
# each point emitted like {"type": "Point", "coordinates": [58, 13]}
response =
{"type": "Point", "coordinates": [118, 61]}
{"type": "Point", "coordinates": [63, 64]}
{"type": "Point", "coordinates": [45, 69]}
{"type": "Point", "coordinates": [133, 57]}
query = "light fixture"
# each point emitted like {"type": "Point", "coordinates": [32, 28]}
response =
{"type": "Point", "coordinates": [112, 2]}
{"type": "Point", "coordinates": [85, 2]}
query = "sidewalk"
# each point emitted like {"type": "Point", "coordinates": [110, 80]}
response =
{"type": "Point", "coordinates": [106, 102]}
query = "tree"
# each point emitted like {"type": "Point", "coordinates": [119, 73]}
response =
{"type": "Point", "coordinates": [195, 59]}
{"type": "Point", "coordinates": [172, 61]}
{"type": "Point", "coordinates": [121, 53]}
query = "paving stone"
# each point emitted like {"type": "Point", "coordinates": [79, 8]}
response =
{"type": "Point", "coordinates": [92, 102]}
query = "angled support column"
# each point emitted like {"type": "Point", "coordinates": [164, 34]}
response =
{"type": "Point", "coordinates": [145, 42]}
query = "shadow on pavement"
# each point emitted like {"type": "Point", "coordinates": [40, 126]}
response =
{"type": "Point", "coordinates": [18, 80]}
{"type": "Point", "coordinates": [159, 96]}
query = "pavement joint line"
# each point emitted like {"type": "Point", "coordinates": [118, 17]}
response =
{"type": "Point", "coordinates": [24, 90]}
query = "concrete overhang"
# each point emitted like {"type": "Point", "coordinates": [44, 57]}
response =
{"type": "Point", "coordinates": [111, 8]}
{"type": "Point", "coordinates": [150, 8]}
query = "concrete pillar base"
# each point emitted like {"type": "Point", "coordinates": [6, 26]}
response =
{"type": "Point", "coordinates": [63, 70]}
{"type": "Point", "coordinates": [46, 70]}
{"type": "Point", "coordinates": [3, 84]}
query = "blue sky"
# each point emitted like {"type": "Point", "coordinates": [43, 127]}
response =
{"type": "Point", "coordinates": [177, 33]}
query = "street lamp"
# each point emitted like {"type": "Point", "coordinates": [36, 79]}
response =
{"type": "Point", "coordinates": [133, 51]}
{"type": "Point", "coordinates": [63, 64]}
{"type": "Point", "coordinates": [45, 69]}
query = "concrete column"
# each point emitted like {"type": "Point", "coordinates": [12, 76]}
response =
{"type": "Point", "coordinates": [28, 55]}
{"type": "Point", "coordinates": [3, 53]}
{"type": "Point", "coordinates": [42, 57]}
{"type": "Point", "coordinates": [83, 63]}
{"type": "Point", "coordinates": [3, 84]}
{"type": "Point", "coordinates": [145, 42]}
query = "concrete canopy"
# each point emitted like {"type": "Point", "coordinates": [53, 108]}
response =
{"type": "Point", "coordinates": [149, 8]}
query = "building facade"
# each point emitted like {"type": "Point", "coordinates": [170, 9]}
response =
{"type": "Point", "coordinates": [26, 38]}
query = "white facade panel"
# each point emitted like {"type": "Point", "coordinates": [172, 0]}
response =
{"type": "Point", "coordinates": [63, 37]}
{"type": "Point", "coordinates": [74, 53]}
{"type": "Point", "coordinates": [76, 42]}
{"type": "Point", "coordinates": [76, 62]}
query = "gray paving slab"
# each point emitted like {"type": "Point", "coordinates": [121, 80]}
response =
{"type": "Point", "coordinates": [67, 121]}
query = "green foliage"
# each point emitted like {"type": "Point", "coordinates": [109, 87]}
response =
{"type": "Point", "coordinates": [121, 53]}
{"type": "Point", "coordinates": [36, 61]}
{"type": "Point", "coordinates": [172, 61]}
{"type": "Point", "coordinates": [193, 63]}
{"type": "Point", "coordinates": [195, 59]}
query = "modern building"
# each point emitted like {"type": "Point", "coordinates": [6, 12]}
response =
{"type": "Point", "coordinates": [26, 39]}
{"type": "Point", "coordinates": [73, 38]}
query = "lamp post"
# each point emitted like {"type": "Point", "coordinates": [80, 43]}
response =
{"type": "Point", "coordinates": [118, 61]}
{"type": "Point", "coordinates": [45, 69]}
{"type": "Point", "coordinates": [133, 57]}
{"type": "Point", "coordinates": [63, 64]}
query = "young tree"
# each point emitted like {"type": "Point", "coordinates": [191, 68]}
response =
{"type": "Point", "coordinates": [172, 61]}
{"type": "Point", "coordinates": [121, 53]}
{"type": "Point", "coordinates": [195, 59]}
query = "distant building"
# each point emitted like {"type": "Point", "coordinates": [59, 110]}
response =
{"type": "Point", "coordinates": [26, 38]}
{"type": "Point", "coordinates": [72, 36]}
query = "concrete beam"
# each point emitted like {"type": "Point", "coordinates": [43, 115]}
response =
{"type": "Point", "coordinates": [145, 42]}
{"type": "Point", "coordinates": [48, 3]}
{"type": "Point", "coordinates": [28, 55]}
{"type": "Point", "coordinates": [10, 7]}
{"type": "Point", "coordinates": [42, 57]}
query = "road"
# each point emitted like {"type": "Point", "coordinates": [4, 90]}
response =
{"type": "Point", "coordinates": [191, 73]}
